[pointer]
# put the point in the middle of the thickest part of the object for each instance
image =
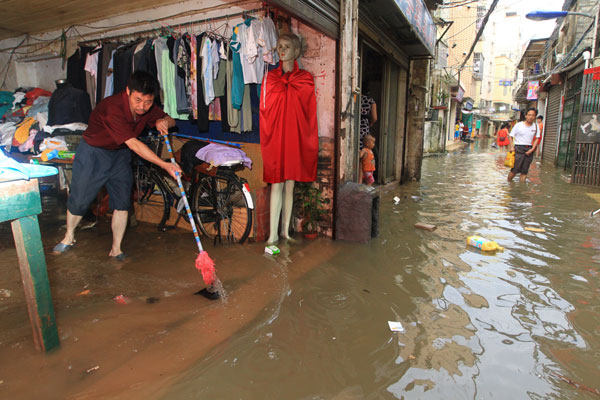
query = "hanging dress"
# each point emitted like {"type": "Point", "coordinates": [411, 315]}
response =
{"type": "Point", "coordinates": [289, 139]}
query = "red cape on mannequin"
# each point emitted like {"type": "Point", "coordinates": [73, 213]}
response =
{"type": "Point", "coordinates": [289, 134]}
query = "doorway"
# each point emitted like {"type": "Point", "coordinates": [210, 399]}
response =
{"type": "Point", "coordinates": [371, 78]}
{"type": "Point", "coordinates": [385, 82]}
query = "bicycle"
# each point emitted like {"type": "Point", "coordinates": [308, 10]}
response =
{"type": "Point", "coordinates": [220, 200]}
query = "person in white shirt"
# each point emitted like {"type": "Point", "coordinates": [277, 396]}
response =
{"type": "Point", "coordinates": [521, 137]}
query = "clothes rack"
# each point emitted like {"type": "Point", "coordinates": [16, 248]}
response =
{"type": "Point", "coordinates": [170, 28]}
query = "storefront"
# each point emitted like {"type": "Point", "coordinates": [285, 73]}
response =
{"type": "Point", "coordinates": [390, 49]}
{"type": "Point", "coordinates": [551, 121]}
{"type": "Point", "coordinates": [176, 26]}
{"type": "Point", "coordinates": [569, 122]}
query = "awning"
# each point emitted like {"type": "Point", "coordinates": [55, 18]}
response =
{"type": "Point", "coordinates": [406, 23]}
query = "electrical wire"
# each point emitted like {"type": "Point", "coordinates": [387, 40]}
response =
{"type": "Point", "coordinates": [6, 68]}
{"type": "Point", "coordinates": [563, 63]}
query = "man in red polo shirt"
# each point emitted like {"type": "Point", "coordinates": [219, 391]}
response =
{"type": "Point", "coordinates": [103, 157]}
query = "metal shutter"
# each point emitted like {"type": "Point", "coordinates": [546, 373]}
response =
{"type": "Point", "coordinates": [551, 125]}
{"type": "Point", "coordinates": [323, 15]}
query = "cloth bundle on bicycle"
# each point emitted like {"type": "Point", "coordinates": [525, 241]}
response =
{"type": "Point", "coordinates": [217, 155]}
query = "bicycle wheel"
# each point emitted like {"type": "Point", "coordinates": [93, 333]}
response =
{"type": "Point", "coordinates": [221, 208]}
{"type": "Point", "coordinates": [149, 196]}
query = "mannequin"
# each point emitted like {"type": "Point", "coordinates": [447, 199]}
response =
{"type": "Point", "coordinates": [289, 132]}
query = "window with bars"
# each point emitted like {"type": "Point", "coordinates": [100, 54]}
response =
{"type": "Point", "coordinates": [480, 14]}
{"type": "Point", "coordinates": [591, 96]}
{"type": "Point", "coordinates": [478, 63]}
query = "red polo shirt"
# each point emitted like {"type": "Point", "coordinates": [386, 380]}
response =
{"type": "Point", "coordinates": [111, 123]}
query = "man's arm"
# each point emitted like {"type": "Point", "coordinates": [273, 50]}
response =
{"type": "Point", "coordinates": [144, 151]}
{"type": "Point", "coordinates": [536, 141]}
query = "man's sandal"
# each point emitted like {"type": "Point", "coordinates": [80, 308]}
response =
{"type": "Point", "coordinates": [121, 257]}
{"type": "Point", "coordinates": [61, 248]}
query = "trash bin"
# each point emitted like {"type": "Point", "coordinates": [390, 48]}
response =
{"type": "Point", "coordinates": [357, 217]}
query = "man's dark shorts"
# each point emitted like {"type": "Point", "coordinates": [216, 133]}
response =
{"type": "Point", "coordinates": [95, 167]}
{"type": "Point", "coordinates": [522, 160]}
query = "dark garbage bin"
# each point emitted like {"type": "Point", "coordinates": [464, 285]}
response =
{"type": "Point", "coordinates": [357, 218]}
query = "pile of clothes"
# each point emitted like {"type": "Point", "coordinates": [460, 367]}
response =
{"type": "Point", "coordinates": [34, 119]}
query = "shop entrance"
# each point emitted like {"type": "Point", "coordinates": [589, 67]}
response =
{"type": "Point", "coordinates": [383, 82]}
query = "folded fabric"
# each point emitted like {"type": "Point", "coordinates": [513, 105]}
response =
{"type": "Point", "coordinates": [40, 105]}
{"type": "Point", "coordinates": [218, 154]}
{"type": "Point", "coordinates": [6, 97]}
{"type": "Point", "coordinates": [7, 132]}
{"type": "Point", "coordinates": [19, 97]}
{"type": "Point", "coordinates": [35, 93]}
{"type": "Point", "coordinates": [42, 119]}
{"type": "Point", "coordinates": [75, 126]}
{"type": "Point", "coordinates": [11, 170]}
{"type": "Point", "coordinates": [23, 129]}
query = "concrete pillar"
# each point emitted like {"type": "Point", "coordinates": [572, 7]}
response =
{"type": "Point", "coordinates": [347, 95]}
{"type": "Point", "coordinates": [415, 119]}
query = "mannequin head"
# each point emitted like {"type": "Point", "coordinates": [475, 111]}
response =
{"type": "Point", "coordinates": [288, 47]}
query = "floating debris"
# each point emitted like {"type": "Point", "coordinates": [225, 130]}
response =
{"type": "Point", "coordinates": [92, 369]}
{"type": "Point", "coordinates": [396, 326]}
{"type": "Point", "coordinates": [532, 229]}
{"type": "Point", "coordinates": [427, 227]}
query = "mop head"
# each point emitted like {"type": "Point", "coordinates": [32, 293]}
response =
{"type": "Point", "coordinates": [206, 266]}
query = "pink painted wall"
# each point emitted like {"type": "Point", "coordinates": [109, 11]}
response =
{"type": "Point", "coordinates": [319, 60]}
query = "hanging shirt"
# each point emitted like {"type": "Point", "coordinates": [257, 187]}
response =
{"type": "Point", "coordinates": [170, 100]}
{"type": "Point", "coordinates": [248, 53]}
{"type": "Point", "coordinates": [269, 42]}
{"type": "Point", "coordinates": [207, 70]}
{"type": "Point", "coordinates": [180, 58]}
{"type": "Point", "coordinates": [237, 79]}
{"type": "Point", "coordinates": [160, 45]}
{"type": "Point", "coordinates": [215, 58]}
{"type": "Point", "coordinates": [108, 91]}
{"type": "Point", "coordinates": [193, 77]}
{"type": "Point", "coordinates": [289, 139]}
{"type": "Point", "coordinates": [91, 62]}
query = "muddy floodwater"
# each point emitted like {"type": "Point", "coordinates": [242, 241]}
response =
{"type": "Point", "coordinates": [312, 323]}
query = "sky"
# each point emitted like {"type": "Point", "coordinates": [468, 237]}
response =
{"type": "Point", "coordinates": [530, 29]}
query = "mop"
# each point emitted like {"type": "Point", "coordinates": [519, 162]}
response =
{"type": "Point", "coordinates": [204, 263]}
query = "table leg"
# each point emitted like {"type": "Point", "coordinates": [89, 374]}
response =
{"type": "Point", "coordinates": [32, 263]}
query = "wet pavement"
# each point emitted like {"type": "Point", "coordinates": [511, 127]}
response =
{"type": "Point", "coordinates": [312, 322]}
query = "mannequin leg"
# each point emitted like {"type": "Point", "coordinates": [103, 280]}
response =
{"type": "Point", "coordinates": [275, 211]}
{"type": "Point", "coordinates": [288, 202]}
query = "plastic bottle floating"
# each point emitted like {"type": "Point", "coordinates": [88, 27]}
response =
{"type": "Point", "coordinates": [483, 244]}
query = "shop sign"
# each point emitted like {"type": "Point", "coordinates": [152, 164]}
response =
{"type": "Point", "coordinates": [594, 71]}
{"type": "Point", "coordinates": [532, 90]}
{"type": "Point", "coordinates": [420, 20]}
{"type": "Point", "coordinates": [458, 93]}
{"type": "Point", "coordinates": [505, 82]}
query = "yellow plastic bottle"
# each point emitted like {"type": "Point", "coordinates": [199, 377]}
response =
{"type": "Point", "coordinates": [483, 243]}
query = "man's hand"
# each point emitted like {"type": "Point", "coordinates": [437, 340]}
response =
{"type": "Point", "coordinates": [162, 125]}
{"type": "Point", "coordinates": [528, 152]}
{"type": "Point", "coordinates": [172, 168]}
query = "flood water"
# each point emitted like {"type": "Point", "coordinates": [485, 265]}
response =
{"type": "Point", "coordinates": [511, 325]}
{"type": "Point", "coordinates": [312, 323]}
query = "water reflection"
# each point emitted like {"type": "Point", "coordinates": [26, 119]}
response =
{"type": "Point", "coordinates": [478, 325]}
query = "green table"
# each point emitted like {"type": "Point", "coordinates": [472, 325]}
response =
{"type": "Point", "coordinates": [21, 204]}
